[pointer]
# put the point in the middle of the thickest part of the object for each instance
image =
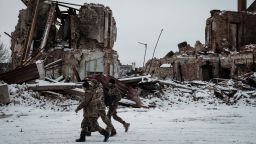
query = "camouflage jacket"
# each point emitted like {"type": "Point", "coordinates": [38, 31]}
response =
{"type": "Point", "coordinates": [115, 94]}
{"type": "Point", "coordinates": [100, 97]}
{"type": "Point", "coordinates": [89, 104]}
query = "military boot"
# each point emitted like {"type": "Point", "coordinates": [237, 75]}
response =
{"type": "Point", "coordinates": [126, 126]}
{"type": "Point", "coordinates": [81, 139]}
{"type": "Point", "coordinates": [105, 134]}
{"type": "Point", "coordinates": [113, 132]}
{"type": "Point", "coordinates": [88, 134]}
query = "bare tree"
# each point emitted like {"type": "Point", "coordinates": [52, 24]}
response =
{"type": "Point", "coordinates": [4, 53]}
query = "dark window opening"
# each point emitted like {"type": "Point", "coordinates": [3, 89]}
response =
{"type": "Point", "coordinates": [207, 71]}
{"type": "Point", "coordinates": [225, 73]}
{"type": "Point", "coordinates": [234, 36]}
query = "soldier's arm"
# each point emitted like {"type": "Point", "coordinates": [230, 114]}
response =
{"type": "Point", "coordinates": [83, 104]}
{"type": "Point", "coordinates": [80, 106]}
{"type": "Point", "coordinates": [117, 96]}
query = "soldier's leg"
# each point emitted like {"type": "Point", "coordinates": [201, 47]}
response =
{"type": "Point", "coordinates": [106, 120]}
{"type": "Point", "coordinates": [119, 119]}
{"type": "Point", "coordinates": [109, 114]}
{"type": "Point", "coordinates": [86, 124]}
{"type": "Point", "coordinates": [83, 131]}
{"type": "Point", "coordinates": [95, 125]}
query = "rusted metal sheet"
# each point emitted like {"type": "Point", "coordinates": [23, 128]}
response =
{"type": "Point", "coordinates": [21, 75]}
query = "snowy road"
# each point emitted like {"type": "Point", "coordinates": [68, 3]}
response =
{"type": "Point", "coordinates": [191, 124]}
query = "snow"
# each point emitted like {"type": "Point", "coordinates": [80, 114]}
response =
{"type": "Point", "coordinates": [254, 75]}
{"type": "Point", "coordinates": [222, 13]}
{"type": "Point", "coordinates": [179, 118]}
{"type": "Point", "coordinates": [250, 46]}
{"type": "Point", "coordinates": [135, 78]}
{"type": "Point", "coordinates": [165, 66]}
{"type": "Point", "coordinates": [176, 125]}
{"type": "Point", "coordinates": [39, 61]}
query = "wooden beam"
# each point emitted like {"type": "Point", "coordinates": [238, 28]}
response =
{"type": "Point", "coordinates": [53, 86]}
{"type": "Point", "coordinates": [54, 63]}
{"type": "Point", "coordinates": [44, 38]}
{"type": "Point", "coordinates": [31, 32]}
{"type": "Point", "coordinates": [77, 91]}
{"type": "Point", "coordinates": [48, 26]}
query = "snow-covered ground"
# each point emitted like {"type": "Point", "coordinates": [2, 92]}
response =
{"type": "Point", "coordinates": [187, 124]}
{"type": "Point", "coordinates": [179, 118]}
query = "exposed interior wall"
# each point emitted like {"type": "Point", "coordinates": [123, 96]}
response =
{"type": "Point", "coordinates": [230, 30]}
{"type": "Point", "coordinates": [83, 38]}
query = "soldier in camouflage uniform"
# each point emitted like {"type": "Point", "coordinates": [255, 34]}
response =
{"type": "Point", "coordinates": [116, 97]}
{"type": "Point", "coordinates": [89, 106]}
{"type": "Point", "coordinates": [101, 106]}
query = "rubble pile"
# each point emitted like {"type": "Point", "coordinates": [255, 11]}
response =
{"type": "Point", "coordinates": [21, 95]}
{"type": "Point", "coordinates": [61, 46]}
{"type": "Point", "coordinates": [152, 92]}
{"type": "Point", "coordinates": [237, 91]}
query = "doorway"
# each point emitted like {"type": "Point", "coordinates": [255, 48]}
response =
{"type": "Point", "coordinates": [207, 72]}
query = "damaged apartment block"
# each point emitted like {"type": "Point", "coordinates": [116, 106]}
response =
{"type": "Point", "coordinates": [82, 39]}
{"type": "Point", "coordinates": [229, 50]}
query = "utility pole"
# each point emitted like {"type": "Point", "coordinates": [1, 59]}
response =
{"type": "Point", "coordinates": [155, 49]}
{"type": "Point", "coordinates": [146, 46]}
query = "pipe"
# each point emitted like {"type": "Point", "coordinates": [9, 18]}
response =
{"type": "Point", "coordinates": [241, 5]}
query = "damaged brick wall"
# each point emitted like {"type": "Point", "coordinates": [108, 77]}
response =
{"type": "Point", "coordinates": [66, 34]}
{"type": "Point", "coordinates": [229, 50]}
{"type": "Point", "coordinates": [29, 31]}
{"type": "Point", "coordinates": [96, 27]}
{"type": "Point", "coordinates": [230, 30]}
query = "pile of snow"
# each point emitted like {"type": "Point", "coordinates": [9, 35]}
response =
{"type": "Point", "coordinates": [250, 46]}
{"type": "Point", "coordinates": [171, 95]}
{"type": "Point", "coordinates": [198, 93]}
{"type": "Point", "coordinates": [177, 97]}
{"type": "Point", "coordinates": [20, 95]}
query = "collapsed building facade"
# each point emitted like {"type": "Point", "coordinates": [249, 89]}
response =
{"type": "Point", "coordinates": [82, 38]}
{"type": "Point", "coordinates": [229, 49]}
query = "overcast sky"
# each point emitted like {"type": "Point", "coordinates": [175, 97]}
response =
{"type": "Point", "coordinates": [141, 21]}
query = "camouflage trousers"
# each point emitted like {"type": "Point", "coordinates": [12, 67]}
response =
{"type": "Point", "coordinates": [90, 124]}
{"type": "Point", "coordinates": [112, 112]}
{"type": "Point", "coordinates": [106, 120]}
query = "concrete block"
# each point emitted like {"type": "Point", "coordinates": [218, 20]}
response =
{"type": "Point", "coordinates": [4, 94]}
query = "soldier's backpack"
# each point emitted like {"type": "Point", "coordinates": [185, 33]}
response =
{"type": "Point", "coordinates": [107, 98]}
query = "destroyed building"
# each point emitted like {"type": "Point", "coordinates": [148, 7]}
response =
{"type": "Point", "coordinates": [229, 49]}
{"type": "Point", "coordinates": [126, 70]}
{"type": "Point", "coordinates": [228, 30]}
{"type": "Point", "coordinates": [83, 38]}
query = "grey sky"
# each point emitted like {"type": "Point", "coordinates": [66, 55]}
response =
{"type": "Point", "coordinates": [142, 20]}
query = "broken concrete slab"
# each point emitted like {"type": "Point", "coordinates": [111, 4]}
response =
{"type": "Point", "coordinates": [4, 94]}
{"type": "Point", "coordinates": [53, 86]}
